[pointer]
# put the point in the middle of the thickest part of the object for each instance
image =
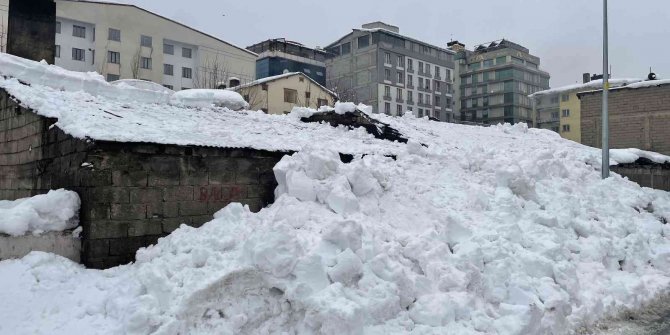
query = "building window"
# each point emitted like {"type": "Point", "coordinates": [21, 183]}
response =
{"type": "Point", "coordinates": [387, 91]}
{"type": "Point", "coordinates": [401, 77]}
{"type": "Point", "coordinates": [488, 63]}
{"type": "Point", "coordinates": [301, 79]}
{"type": "Point", "coordinates": [400, 61]}
{"type": "Point", "coordinates": [427, 84]}
{"type": "Point", "coordinates": [168, 86]}
{"type": "Point", "coordinates": [290, 95]}
{"type": "Point", "coordinates": [387, 74]}
{"type": "Point", "coordinates": [78, 54]}
{"type": "Point", "coordinates": [501, 60]}
{"type": "Point", "coordinates": [420, 67]}
{"type": "Point", "coordinates": [146, 41]}
{"type": "Point", "coordinates": [420, 112]}
{"type": "Point", "coordinates": [308, 95]}
{"type": "Point", "coordinates": [399, 92]}
{"type": "Point", "coordinates": [168, 49]}
{"type": "Point", "coordinates": [410, 97]}
{"type": "Point", "coordinates": [264, 87]}
{"type": "Point", "coordinates": [437, 115]}
{"type": "Point", "coordinates": [566, 112]}
{"type": "Point", "coordinates": [438, 71]}
{"type": "Point", "coordinates": [321, 102]}
{"type": "Point", "coordinates": [566, 128]}
{"type": "Point", "coordinates": [565, 97]}
{"type": "Point", "coordinates": [427, 69]}
{"type": "Point", "coordinates": [186, 52]}
{"type": "Point", "coordinates": [410, 65]}
{"type": "Point", "coordinates": [420, 96]}
{"type": "Point", "coordinates": [186, 72]}
{"type": "Point", "coordinates": [168, 69]}
{"type": "Point", "coordinates": [399, 110]}
{"type": "Point", "coordinates": [346, 48]}
{"type": "Point", "coordinates": [57, 51]}
{"type": "Point", "coordinates": [145, 63]}
{"type": "Point", "coordinates": [437, 100]}
{"type": "Point", "coordinates": [437, 86]}
{"type": "Point", "coordinates": [363, 41]}
{"type": "Point", "coordinates": [79, 31]}
{"type": "Point", "coordinates": [113, 57]}
{"type": "Point", "coordinates": [113, 77]}
{"type": "Point", "coordinates": [387, 108]}
{"type": "Point", "coordinates": [57, 27]}
{"type": "Point", "coordinates": [114, 35]}
{"type": "Point", "coordinates": [387, 58]}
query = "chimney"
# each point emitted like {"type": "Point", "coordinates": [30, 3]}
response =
{"type": "Point", "coordinates": [456, 46]}
{"type": "Point", "coordinates": [31, 27]}
{"type": "Point", "coordinates": [586, 77]}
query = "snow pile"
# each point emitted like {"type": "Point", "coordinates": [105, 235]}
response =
{"type": "Point", "coordinates": [207, 98]}
{"type": "Point", "coordinates": [143, 85]}
{"type": "Point", "coordinates": [649, 83]}
{"type": "Point", "coordinates": [623, 156]}
{"type": "Point", "coordinates": [59, 79]}
{"type": "Point", "coordinates": [510, 232]}
{"type": "Point", "coordinates": [55, 211]}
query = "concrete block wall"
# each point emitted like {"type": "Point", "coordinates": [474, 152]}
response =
{"type": "Point", "coordinates": [639, 118]}
{"type": "Point", "coordinates": [654, 176]}
{"type": "Point", "coordinates": [132, 193]}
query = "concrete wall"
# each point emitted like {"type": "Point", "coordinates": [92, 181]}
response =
{"type": "Point", "coordinates": [573, 120]}
{"type": "Point", "coordinates": [653, 176]}
{"type": "Point", "coordinates": [639, 118]}
{"type": "Point", "coordinates": [59, 243]}
{"type": "Point", "coordinates": [132, 194]}
{"type": "Point", "coordinates": [134, 22]}
{"type": "Point", "coordinates": [272, 100]}
{"type": "Point", "coordinates": [31, 27]}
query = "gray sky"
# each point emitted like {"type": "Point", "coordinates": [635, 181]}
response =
{"type": "Point", "coordinates": [565, 34]}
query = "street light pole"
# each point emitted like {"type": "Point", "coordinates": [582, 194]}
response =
{"type": "Point", "coordinates": [605, 112]}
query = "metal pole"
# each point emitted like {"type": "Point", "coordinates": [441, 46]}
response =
{"type": "Point", "coordinates": [606, 87]}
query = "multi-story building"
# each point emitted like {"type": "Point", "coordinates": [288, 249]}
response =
{"type": "Point", "coordinates": [494, 81]}
{"type": "Point", "coordinates": [639, 117]}
{"type": "Point", "coordinates": [393, 73]}
{"type": "Point", "coordinates": [559, 109]}
{"type": "Point", "coordinates": [124, 41]}
{"type": "Point", "coordinates": [279, 94]}
{"type": "Point", "coordinates": [4, 10]}
{"type": "Point", "coordinates": [279, 56]}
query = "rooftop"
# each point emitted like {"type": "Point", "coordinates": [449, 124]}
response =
{"type": "Point", "coordinates": [614, 82]}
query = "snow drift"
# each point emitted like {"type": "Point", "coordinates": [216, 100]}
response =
{"type": "Point", "coordinates": [57, 210]}
{"type": "Point", "coordinates": [453, 238]}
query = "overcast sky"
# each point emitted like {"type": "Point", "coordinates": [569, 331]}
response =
{"type": "Point", "coordinates": [565, 34]}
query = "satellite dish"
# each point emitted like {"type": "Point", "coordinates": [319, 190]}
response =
{"type": "Point", "coordinates": [286, 71]}
{"type": "Point", "coordinates": [651, 76]}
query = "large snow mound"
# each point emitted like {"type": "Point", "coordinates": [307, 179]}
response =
{"type": "Point", "coordinates": [207, 97]}
{"type": "Point", "coordinates": [512, 232]}
{"type": "Point", "coordinates": [57, 210]}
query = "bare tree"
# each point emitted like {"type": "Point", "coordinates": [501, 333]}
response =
{"type": "Point", "coordinates": [135, 64]}
{"type": "Point", "coordinates": [213, 73]}
{"type": "Point", "coordinates": [343, 89]}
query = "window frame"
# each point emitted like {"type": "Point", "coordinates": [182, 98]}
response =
{"type": "Point", "coordinates": [113, 33]}
{"type": "Point", "coordinates": [76, 28]}
{"type": "Point", "coordinates": [113, 57]}
{"type": "Point", "coordinates": [186, 52]}
{"type": "Point", "coordinates": [187, 70]}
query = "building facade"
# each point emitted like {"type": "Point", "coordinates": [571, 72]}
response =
{"type": "Point", "coordinates": [494, 81]}
{"type": "Point", "coordinates": [279, 94]}
{"type": "Point", "coordinates": [393, 73]}
{"type": "Point", "coordinates": [279, 56]}
{"type": "Point", "coordinates": [559, 109]}
{"type": "Point", "coordinates": [127, 42]}
{"type": "Point", "coordinates": [639, 116]}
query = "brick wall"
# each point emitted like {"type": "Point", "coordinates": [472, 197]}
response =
{"type": "Point", "coordinates": [132, 193]}
{"type": "Point", "coordinates": [639, 118]}
{"type": "Point", "coordinates": [653, 176]}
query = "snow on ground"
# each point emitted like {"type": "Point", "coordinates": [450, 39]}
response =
{"type": "Point", "coordinates": [55, 211]}
{"type": "Point", "coordinates": [500, 230]}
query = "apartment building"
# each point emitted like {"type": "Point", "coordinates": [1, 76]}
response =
{"type": "Point", "coordinates": [393, 73]}
{"type": "Point", "coordinates": [559, 109]}
{"type": "Point", "coordinates": [123, 41]}
{"type": "Point", "coordinates": [279, 56]}
{"type": "Point", "coordinates": [4, 11]}
{"type": "Point", "coordinates": [494, 81]}
{"type": "Point", "coordinates": [279, 94]}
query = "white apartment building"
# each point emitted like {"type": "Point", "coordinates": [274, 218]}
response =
{"type": "Point", "coordinates": [123, 41]}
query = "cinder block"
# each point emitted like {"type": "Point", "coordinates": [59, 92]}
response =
{"type": "Point", "coordinates": [96, 248]}
{"type": "Point", "coordinates": [178, 193]}
{"type": "Point", "coordinates": [108, 194]}
{"type": "Point", "coordinates": [145, 195]}
{"type": "Point", "coordinates": [145, 227]}
{"type": "Point", "coordinates": [105, 229]}
{"type": "Point", "coordinates": [130, 178]}
{"type": "Point", "coordinates": [128, 211]}
{"type": "Point", "coordinates": [192, 208]}
{"type": "Point", "coordinates": [247, 172]}
{"type": "Point", "coordinates": [171, 224]}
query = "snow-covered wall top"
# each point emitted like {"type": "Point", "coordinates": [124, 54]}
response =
{"type": "Point", "coordinates": [595, 84]}
{"type": "Point", "coordinates": [88, 107]}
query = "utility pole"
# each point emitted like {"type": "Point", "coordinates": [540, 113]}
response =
{"type": "Point", "coordinates": [605, 113]}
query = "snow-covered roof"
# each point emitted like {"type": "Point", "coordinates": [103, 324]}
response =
{"type": "Point", "coordinates": [594, 84]}
{"type": "Point", "coordinates": [281, 76]}
{"type": "Point", "coordinates": [648, 83]}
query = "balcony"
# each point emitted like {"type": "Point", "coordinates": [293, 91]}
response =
{"type": "Point", "coordinates": [410, 70]}
{"type": "Point", "coordinates": [410, 102]}
{"type": "Point", "coordinates": [410, 86]}
{"type": "Point", "coordinates": [400, 101]}
{"type": "Point", "coordinates": [387, 98]}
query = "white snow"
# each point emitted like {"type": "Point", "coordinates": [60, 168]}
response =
{"type": "Point", "coordinates": [469, 230]}
{"type": "Point", "coordinates": [594, 84]}
{"type": "Point", "coordinates": [208, 98]}
{"type": "Point", "coordinates": [649, 83]}
{"type": "Point", "coordinates": [57, 210]}
{"type": "Point", "coordinates": [622, 156]}
{"type": "Point", "coordinates": [143, 85]}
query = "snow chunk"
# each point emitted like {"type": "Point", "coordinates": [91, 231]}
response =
{"type": "Point", "coordinates": [57, 210]}
{"type": "Point", "coordinates": [344, 107]}
{"type": "Point", "coordinates": [209, 97]}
